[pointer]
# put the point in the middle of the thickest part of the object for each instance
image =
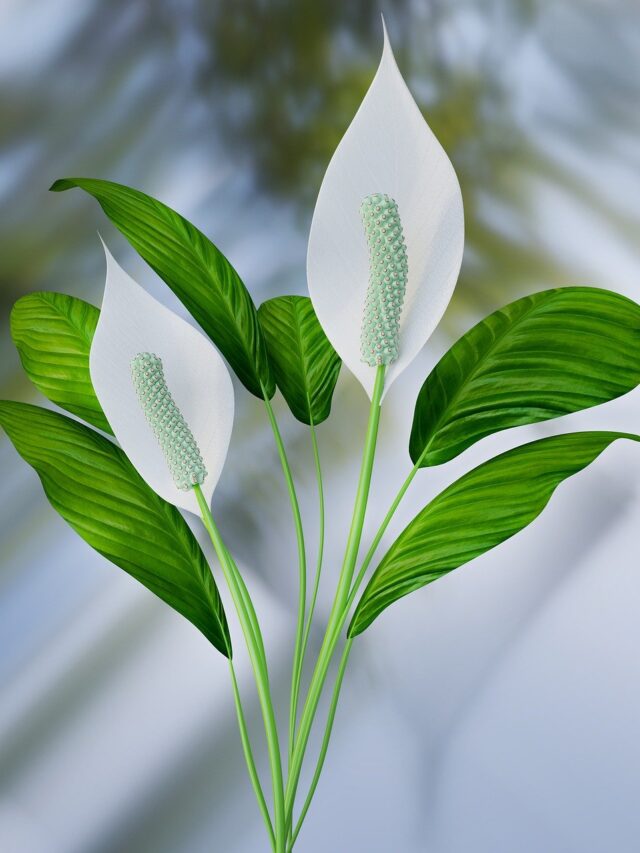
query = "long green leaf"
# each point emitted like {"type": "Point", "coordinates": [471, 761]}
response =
{"type": "Point", "coordinates": [95, 488]}
{"type": "Point", "coordinates": [197, 272]}
{"type": "Point", "coordinates": [546, 355]}
{"type": "Point", "coordinates": [53, 333]}
{"type": "Point", "coordinates": [476, 513]}
{"type": "Point", "coordinates": [305, 365]}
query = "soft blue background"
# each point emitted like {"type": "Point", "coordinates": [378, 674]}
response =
{"type": "Point", "coordinates": [497, 711]}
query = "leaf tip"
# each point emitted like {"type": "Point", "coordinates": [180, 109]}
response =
{"type": "Point", "coordinates": [62, 184]}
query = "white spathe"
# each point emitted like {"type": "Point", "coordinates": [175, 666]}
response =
{"type": "Point", "coordinates": [131, 321]}
{"type": "Point", "coordinates": [388, 148]}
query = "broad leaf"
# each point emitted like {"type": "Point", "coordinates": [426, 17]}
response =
{"type": "Point", "coordinates": [197, 272]}
{"type": "Point", "coordinates": [549, 354]}
{"type": "Point", "coordinates": [53, 333]}
{"type": "Point", "coordinates": [476, 513]}
{"type": "Point", "coordinates": [94, 487]}
{"type": "Point", "coordinates": [305, 365]}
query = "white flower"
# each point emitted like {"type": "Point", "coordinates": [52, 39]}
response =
{"type": "Point", "coordinates": [186, 390]}
{"type": "Point", "coordinates": [388, 154]}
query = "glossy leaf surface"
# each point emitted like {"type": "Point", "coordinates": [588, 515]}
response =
{"type": "Point", "coordinates": [53, 333]}
{"type": "Point", "coordinates": [305, 365]}
{"type": "Point", "coordinates": [94, 487]}
{"type": "Point", "coordinates": [197, 272]}
{"type": "Point", "coordinates": [479, 511]}
{"type": "Point", "coordinates": [546, 355]}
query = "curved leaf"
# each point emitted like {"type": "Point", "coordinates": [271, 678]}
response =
{"type": "Point", "coordinates": [549, 354]}
{"type": "Point", "coordinates": [53, 333]}
{"type": "Point", "coordinates": [476, 513]}
{"type": "Point", "coordinates": [197, 272]}
{"type": "Point", "coordinates": [95, 488]}
{"type": "Point", "coordinates": [305, 365]}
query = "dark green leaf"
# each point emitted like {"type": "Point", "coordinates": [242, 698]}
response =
{"type": "Point", "coordinates": [200, 275]}
{"type": "Point", "coordinates": [476, 513]}
{"type": "Point", "coordinates": [95, 488]}
{"type": "Point", "coordinates": [305, 365]}
{"type": "Point", "coordinates": [549, 354]}
{"type": "Point", "coordinates": [53, 334]}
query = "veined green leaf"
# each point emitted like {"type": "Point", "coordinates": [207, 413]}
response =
{"type": "Point", "coordinates": [549, 354]}
{"type": "Point", "coordinates": [476, 513]}
{"type": "Point", "coordinates": [305, 365]}
{"type": "Point", "coordinates": [95, 488]}
{"type": "Point", "coordinates": [53, 333]}
{"type": "Point", "coordinates": [197, 272]}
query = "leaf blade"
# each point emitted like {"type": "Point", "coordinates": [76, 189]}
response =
{"type": "Point", "coordinates": [52, 333]}
{"type": "Point", "coordinates": [483, 508]}
{"type": "Point", "coordinates": [195, 270]}
{"type": "Point", "coordinates": [541, 357]}
{"type": "Point", "coordinates": [305, 365]}
{"type": "Point", "coordinates": [90, 482]}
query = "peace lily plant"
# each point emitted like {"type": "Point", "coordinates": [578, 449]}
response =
{"type": "Point", "coordinates": [153, 404]}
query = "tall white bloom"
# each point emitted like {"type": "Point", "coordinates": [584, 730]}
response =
{"type": "Point", "coordinates": [387, 234]}
{"type": "Point", "coordinates": [164, 389]}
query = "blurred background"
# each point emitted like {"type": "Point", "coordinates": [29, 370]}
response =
{"type": "Point", "coordinates": [495, 711]}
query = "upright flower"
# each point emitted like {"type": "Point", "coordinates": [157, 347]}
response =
{"type": "Point", "coordinates": [387, 233]}
{"type": "Point", "coordinates": [164, 389]}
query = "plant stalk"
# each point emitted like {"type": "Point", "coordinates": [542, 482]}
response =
{"type": "Point", "coordinates": [325, 743]}
{"type": "Point", "coordinates": [248, 754]}
{"type": "Point", "coordinates": [302, 569]}
{"type": "Point", "coordinates": [260, 671]}
{"type": "Point", "coordinates": [318, 570]}
{"type": "Point", "coordinates": [338, 612]}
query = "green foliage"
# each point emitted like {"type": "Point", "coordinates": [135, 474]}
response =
{"type": "Point", "coordinates": [483, 508]}
{"type": "Point", "coordinates": [197, 272]}
{"type": "Point", "coordinates": [549, 354]}
{"type": "Point", "coordinates": [305, 365]}
{"type": "Point", "coordinates": [94, 487]}
{"type": "Point", "coordinates": [53, 333]}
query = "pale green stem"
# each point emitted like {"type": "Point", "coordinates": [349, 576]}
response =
{"type": "Point", "coordinates": [362, 495]}
{"type": "Point", "coordinates": [343, 663]}
{"type": "Point", "coordinates": [381, 531]}
{"type": "Point", "coordinates": [338, 614]}
{"type": "Point", "coordinates": [325, 743]}
{"type": "Point", "coordinates": [316, 581]}
{"type": "Point", "coordinates": [302, 566]}
{"type": "Point", "coordinates": [248, 754]}
{"type": "Point", "coordinates": [248, 603]}
{"type": "Point", "coordinates": [261, 674]}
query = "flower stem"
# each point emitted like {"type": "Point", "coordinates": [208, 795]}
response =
{"type": "Point", "coordinates": [338, 612]}
{"type": "Point", "coordinates": [345, 655]}
{"type": "Point", "coordinates": [248, 754]}
{"type": "Point", "coordinates": [381, 531]}
{"type": "Point", "coordinates": [362, 495]}
{"type": "Point", "coordinates": [302, 568]}
{"type": "Point", "coordinates": [325, 743]}
{"type": "Point", "coordinates": [256, 654]}
{"type": "Point", "coordinates": [318, 571]}
{"type": "Point", "coordinates": [251, 613]}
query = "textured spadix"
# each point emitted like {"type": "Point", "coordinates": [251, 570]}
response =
{"type": "Point", "coordinates": [133, 322]}
{"type": "Point", "coordinates": [388, 149]}
{"type": "Point", "coordinates": [172, 432]}
{"type": "Point", "coordinates": [380, 336]}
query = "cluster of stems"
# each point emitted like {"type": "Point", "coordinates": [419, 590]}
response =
{"type": "Point", "coordinates": [281, 826]}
